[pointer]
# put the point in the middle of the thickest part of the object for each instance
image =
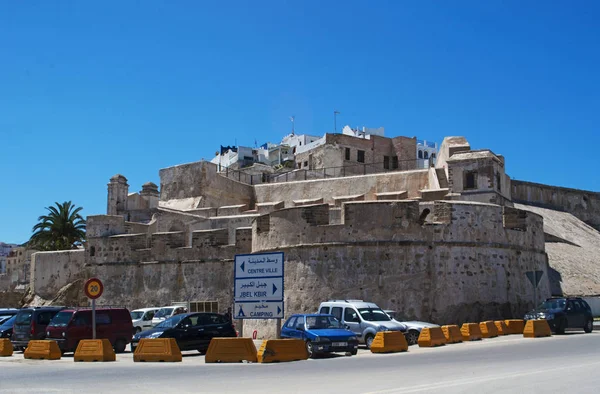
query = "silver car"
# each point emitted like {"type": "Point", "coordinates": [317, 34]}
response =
{"type": "Point", "coordinates": [365, 319]}
{"type": "Point", "coordinates": [413, 327]}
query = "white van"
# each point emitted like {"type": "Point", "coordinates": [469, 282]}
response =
{"type": "Point", "coordinates": [166, 312]}
{"type": "Point", "coordinates": [142, 319]}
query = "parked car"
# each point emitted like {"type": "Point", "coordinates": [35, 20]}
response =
{"type": "Point", "coordinates": [6, 327]}
{"type": "Point", "coordinates": [563, 313]}
{"type": "Point", "coordinates": [192, 331]}
{"type": "Point", "coordinates": [142, 319]}
{"type": "Point", "coordinates": [70, 326]}
{"type": "Point", "coordinates": [166, 312]}
{"type": "Point", "coordinates": [413, 327]}
{"type": "Point", "coordinates": [365, 319]}
{"type": "Point", "coordinates": [321, 333]}
{"type": "Point", "coordinates": [30, 323]}
{"type": "Point", "coordinates": [4, 312]}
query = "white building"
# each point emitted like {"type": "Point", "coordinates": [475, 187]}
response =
{"type": "Point", "coordinates": [426, 151]}
{"type": "Point", "coordinates": [4, 252]}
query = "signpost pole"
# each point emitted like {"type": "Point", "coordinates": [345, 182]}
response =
{"type": "Point", "coordinates": [278, 334]}
{"type": "Point", "coordinates": [93, 318]}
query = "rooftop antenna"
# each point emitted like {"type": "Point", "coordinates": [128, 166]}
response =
{"type": "Point", "coordinates": [293, 129]}
{"type": "Point", "coordinates": [335, 114]}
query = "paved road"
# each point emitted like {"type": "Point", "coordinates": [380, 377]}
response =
{"type": "Point", "coordinates": [567, 363]}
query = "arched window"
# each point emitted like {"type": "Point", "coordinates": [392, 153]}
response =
{"type": "Point", "coordinates": [426, 155]}
{"type": "Point", "coordinates": [420, 154]}
{"type": "Point", "coordinates": [92, 251]}
{"type": "Point", "coordinates": [433, 155]}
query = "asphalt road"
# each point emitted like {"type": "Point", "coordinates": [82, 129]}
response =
{"type": "Point", "coordinates": [568, 363]}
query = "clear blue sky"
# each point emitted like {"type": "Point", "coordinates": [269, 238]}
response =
{"type": "Point", "coordinates": [90, 89]}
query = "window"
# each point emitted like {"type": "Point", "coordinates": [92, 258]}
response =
{"type": "Point", "coordinates": [347, 153]}
{"type": "Point", "coordinates": [324, 310]}
{"type": "Point", "coordinates": [337, 312]}
{"type": "Point", "coordinates": [386, 162]}
{"type": "Point", "coordinates": [92, 251]}
{"type": "Point", "coordinates": [204, 306]}
{"type": "Point", "coordinates": [420, 154]}
{"type": "Point", "coordinates": [360, 156]}
{"type": "Point", "coordinates": [394, 162]}
{"type": "Point", "coordinates": [291, 323]}
{"type": "Point", "coordinates": [103, 318]}
{"type": "Point", "coordinates": [306, 164]}
{"type": "Point", "coordinates": [350, 316]}
{"type": "Point", "coordinates": [498, 182]}
{"type": "Point", "coordinates": [433, 155]}
{"type": "Point", "coordinates": [426, 155]}
{"type": "Point", "coordinates": [470, 180]}
{"type": "Point", "coordinates": [45, 317]}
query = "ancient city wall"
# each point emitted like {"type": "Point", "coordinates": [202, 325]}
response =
{"type": "Point", "coordinates": [585, 205]}
{"type": "Point", "coordinates": [50, 271]}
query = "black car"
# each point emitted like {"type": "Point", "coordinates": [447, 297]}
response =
{"type": "Point", "coordinates": [30, 323]}
{"type": "Point", "coordinates": [6, 327]}
{"type": "Point", "coordinates": [563, 313]}
{"type": "Point", "coordinates": [192, 331]}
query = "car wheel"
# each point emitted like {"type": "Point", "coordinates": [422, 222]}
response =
{"type": "Point", "coordinates": [138, 330]}
{"type": "Point", "coordinates": [369, 340]}
{"type": "Point", "coordinates": [412, 337]}
{"type": "Point", "coordinates": [354, 352]}
{"type": "Point", "coordinates": [310, 350]}
{"type": "Point", "coordinates": [561, 326]}
{"type": "Point", "coordinates": [120, 346]}
{"type": "Point", "coordinates": [589, 326]}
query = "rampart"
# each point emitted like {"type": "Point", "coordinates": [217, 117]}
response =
{"type": "Point", "coordinates": [50, 271]}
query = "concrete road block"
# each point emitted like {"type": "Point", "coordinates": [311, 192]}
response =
{"type": "Point", "coordinates": [433, 336]}
{"type": "Point", "coordinates": [536, 329]}
{"type": "Point", "coordinates": [42, 350]}
{"type": "Point", "coordinates": [471, 332]}
{"type": "Point", "coordinates": [6, 347]}
{"type": "Point", "coordinates": [94, 350]}
{"type": "Point", "coordinates": [282, 350]}
{"type": "Point", "coordinates": [389, 342]}
{"type": "Point", "coordinates": [488, 329]}
{"type": "Point", "coordinates": [452, 334]}
{"type": "Point", "coordinates": [501, 327]}
{"type": "Point", "coordinates": [231, 350]}
{"type": "Point", "coordinates": [515, 326]}
{"type": "Point", "coordinates": [157, 350]}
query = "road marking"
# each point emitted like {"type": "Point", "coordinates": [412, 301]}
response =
{"type": "Point", "coordinates": [461, 382]}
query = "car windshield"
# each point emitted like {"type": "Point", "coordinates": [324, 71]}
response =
{"type": "Point", "coordinates": [553, 304]}
{"type": "Point", "coordinates": [23, 318]}
{"type": "Point", "coordinates": [137, 315]}
{"type": "Point", "coordinates": [8, 322]}
{"type": "Point", "coordinates": [373, 314]}
{"type": "Point", "coordinates": [61, 319]}
{"type": "Point", "coordinates": [164, 312]}
{"type": "Point", "coordinates": [171, 322]}
{"type": "Point", "coordinates": [322, 322]}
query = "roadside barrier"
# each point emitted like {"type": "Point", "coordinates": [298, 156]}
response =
{"type": "Point", "coordinates": [471, 332]}
{"type": "Point", "coordinates": [488, 329]}
{"type": "Point", "coordinates": [501, 327]}
{"type": "Point", "coordinates": [6, 347]}
{"type": "Point", "coordinates": [389, 342]}
{"type": "Point", "coordinates": [536, 329]}
{"type": "Point", "coordinates": [157, 350]}
{"type": "Point", "coordinates": [515, 326]}
{"type": "Point", "coordinates": [433, 336]}
{"type": "Point", "coordinates": [231, 350]}
{"type": "Point", "coordinates": [282, 350]}
{"type": "Point", "coordinates": [452, 334]}
{"type": "Point", "coordinates": [94, 350]}
{"type": "Point", "coordinates": [42, 350]}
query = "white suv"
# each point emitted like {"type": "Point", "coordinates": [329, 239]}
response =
{"type": "Point", "coordinates": [365, 319]}
{"type": "Point", "coordinates": [142, 319]}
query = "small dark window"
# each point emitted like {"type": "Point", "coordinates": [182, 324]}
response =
{"type": "Point", "coordinates": [498, 182]}
{"type": "Point", "coordinates": [470, 180]}
{"type": "Point", "coordinates": [425, 155]}
{"type": "Point", "coordinates": [420, 154]}
{"type": "Point", "coordinates": [306, 164]}
{"type": "Point", "coordinates": [433, 155]}
{"type": "Point", "coordinates": [394, 162]}
{"type": "Point", "coordinates": [360, 156]}
{"type": "Point", "coordinates": [351, 316]}
{"type": "Point", "coordinates": [386, 162]}
{"type": "Point", "coordinates": [347, 153]}
{"type": "Point", "coordinates": [337, 312]}
{"type": "Point", "coordinates": [324, 310]}
{"type": "Point", "coordinates": [92, 251]}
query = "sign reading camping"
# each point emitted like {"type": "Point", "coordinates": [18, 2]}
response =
{"type": "Point", "coordinates": [258, 286]}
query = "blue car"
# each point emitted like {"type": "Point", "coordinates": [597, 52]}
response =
{"type": "Point", "coordinates": [322, 334]}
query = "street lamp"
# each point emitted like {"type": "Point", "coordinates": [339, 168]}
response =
{"type": "Point", "coordinates": [335, 114]}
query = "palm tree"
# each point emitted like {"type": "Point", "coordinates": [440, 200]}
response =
{"type": "Point", "coordinates": [62, 229]}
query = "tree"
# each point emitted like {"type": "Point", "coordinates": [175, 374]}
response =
{"type": "Point", "coordinates": [62, 229]}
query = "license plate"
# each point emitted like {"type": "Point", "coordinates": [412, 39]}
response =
{"type": "Point", "coordinates": [339, 344]}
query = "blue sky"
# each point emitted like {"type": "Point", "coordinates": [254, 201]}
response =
{"type": "Point", "coordinates": [90, 89]}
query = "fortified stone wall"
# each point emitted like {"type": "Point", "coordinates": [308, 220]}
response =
{"type": "Point", "coordinates": [50, 271]}
{"type": "Point", "coordinates": [584, 205]}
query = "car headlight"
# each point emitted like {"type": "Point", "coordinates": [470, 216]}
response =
{"type": "Point", "coordinates": [47, 333]}
{"type": "Point", "coordinates": [64, 334]}
{"type": "Point", "coordinates": [155, 335]}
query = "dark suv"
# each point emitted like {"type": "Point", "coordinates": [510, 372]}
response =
{"type": "Point", "coordinates": [30, 323]}
{"type": "Point", "coordinates": [563, 313]}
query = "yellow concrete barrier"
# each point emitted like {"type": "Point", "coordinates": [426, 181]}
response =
{"type": "Point", "coordinates": [515, 326]}
{"type": "Point", "coordinates": [6, 347]}
{"type": "Point", "coordinates": [282, 350]}
{"type": "Point", "coordinates": [42, 350]}
{"type": "Point", "coordinates": [389, 342]}
{"type": "Point", "coordinates": [94, 350]}
{"type": "Point", "coordinates": [488, 329]}
{"type": "Point", "coordinates": [452, 334]}
{"type": "Point", "coordinates": [501, 327]}
{"type": "Point", "coordinates": [156, 350]}
{"type": "Point", "coordinates": [433, 336]}
{"type": "Point", "coordinates": [231, 350]}
{"type": "Point", "coordinates": [536, 329]}
{"type": "Point", "coordinates": [471, 332]}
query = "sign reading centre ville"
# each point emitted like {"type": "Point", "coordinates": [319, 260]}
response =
{"type": "Point", "coordinates": [258, 286]}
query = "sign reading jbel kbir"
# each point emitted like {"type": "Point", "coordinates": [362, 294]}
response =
{"type": "Point", "coordinates": [258, 286]}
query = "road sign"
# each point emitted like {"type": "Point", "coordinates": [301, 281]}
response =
{"type": "Point", "coordinates": [93, 288]}
{"type": "Point", "coordinates": [258, 286]}
{"type": "Point", "coordinates": [534, 277]}
{"type": "Point", "coordinates": [259, 310]}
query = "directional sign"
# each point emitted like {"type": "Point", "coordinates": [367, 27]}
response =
{"type": "Point", "coordinates": [265, 289]}
{"type": "Point", "coordinates": [258, 310]}
{"type": "Point", "coordinates": [259, 265]}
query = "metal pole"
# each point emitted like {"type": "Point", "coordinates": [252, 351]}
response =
{"type": "Point", "coordinates": [93, 319]}
{"type": "Point", "coordinates": [278, 329]}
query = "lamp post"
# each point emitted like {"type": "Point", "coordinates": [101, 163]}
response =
{"type": "Point", "coordinates": [335, 114]}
